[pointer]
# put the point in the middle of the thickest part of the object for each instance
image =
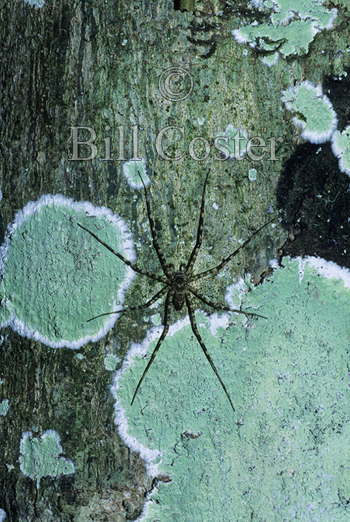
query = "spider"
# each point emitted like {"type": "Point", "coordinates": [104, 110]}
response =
{"type": "Point", "coordinates": [178, 285]}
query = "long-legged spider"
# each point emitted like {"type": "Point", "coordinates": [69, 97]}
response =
{"type": "Point", "coordinates": [178, 285]}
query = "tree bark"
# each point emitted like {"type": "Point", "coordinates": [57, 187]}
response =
{"type": "Point", "coordinates": [73, 63]}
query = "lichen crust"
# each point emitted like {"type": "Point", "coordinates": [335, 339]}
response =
{"type": "Point", "coordinates": [290, 30]}
{"type": "Point", "coordinates": [314, 111]}
{"type": "Point", "coordinates": [134, 170]}
{"type": "Point", "coordinates": [42, 456]}
{"type": "Point", "coordinates": [341, 149]}
{"type": "Point", "coordinates": [279, 455]}
{"type": "Point", "coordinates": [56, 276]}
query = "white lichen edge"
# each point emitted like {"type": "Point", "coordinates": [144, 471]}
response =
{"type": "Point", "coordinates": [330, 24]}
{"type": "Point", "coordinates": [240, 38]}
{"type": "Point", "coordinates": [83, 206]}
{"type": "Point", "coordinates": [314, 137]}
{"type": "Point", "coordinates": [271, 60]}
{"type": "Point", "coordinates": [237, 290]}
{"type": "Point", "coordinates": [295, 15]}
{"type": "Point", "coordinates": [339, 152]}
{"type": "Point", "coordinates": [327, 269]}
{"type": "Point", "coordinates": [308, 135]}
{"type": "Point", "coordinates": [315, 28]}
{"type": "Point", "coordinates": [138, 350]}
{"type": "Point", "coordinates": [137, 185]}
{"type": "Point", "coordinates": [2, 515]}
{"type": "Point", "coordinates": [152, 458]}
{"type": "Point", "coordinates": [47, 434]}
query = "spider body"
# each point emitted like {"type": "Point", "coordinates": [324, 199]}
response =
{"type": "Point", "coordinates": [177, 286]}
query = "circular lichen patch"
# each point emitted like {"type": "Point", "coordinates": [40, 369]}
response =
{"type": "Point", "coordinates": [56, 276]}
{"type": "Point", "coordinates": [313, 111]}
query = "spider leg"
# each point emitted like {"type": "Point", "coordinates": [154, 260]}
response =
{"type": "Point", "coordinates": [198, 243]}
{"type": "Point", "coordinates": [122, 258]}
{"type": "Point", "coordinates": [205, 351]}
{"type": "Point", "coordinates": [155, 243]}
{"type": "Point", "coordinates": [219, 306]}
{"type": "Point", "coordinates": [145, 305]}
{"type": "Point", "coordinates": [216, 269]}
{"type": "Point", "coordinates": [160, 340]}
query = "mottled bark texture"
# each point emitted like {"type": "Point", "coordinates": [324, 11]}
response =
{"type": "Point", "coordinates": [99, 64]}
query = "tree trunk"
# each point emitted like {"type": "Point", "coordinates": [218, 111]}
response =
{"type": "Point", "coordinates": [128, 71]}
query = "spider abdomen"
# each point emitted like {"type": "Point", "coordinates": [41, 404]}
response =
{"type": "Point", "coordinates": [178, 300]}
{"type": "Point", "coordinates": [179, 286]}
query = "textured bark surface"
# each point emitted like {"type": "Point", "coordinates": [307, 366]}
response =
{"type": "Point", "coordinates": [78, 63]}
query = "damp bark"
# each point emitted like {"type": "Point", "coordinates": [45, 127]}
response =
{"type": "Point", "coordinates": [74, 64]}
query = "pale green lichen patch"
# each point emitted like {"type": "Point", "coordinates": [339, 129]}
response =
{"type": "Point", "coordinates": [111, 362]}
{"type": "Point", "coordinates": [292, 27]}
{"type": "Point", "coordinates": [284, 10]}
{"type": "Point", "coordinates": [41, 456]}
{"type": "Point", "coordinates": [284, 454]}
{"type": "Point", "coordinates": [341, 148]}
{"type": "Point", "coordinates": [156, 319]}
{"type": "Point", "coordinates": [313, 111]}
{"type": "Point", "coordinates": [35, 3]}
{"type": "Point", "coordinates": [252, 174]}
{"type": "Point", "coordinates": [233, 142]}
{"type": "Point", "coordinates": [272, 41]}
{"type": "Point", "coordinates": [132, 171]}
{"type": "Point", "coordinates": [4, 407]}
{"type": "Point", "coordinates": [56, 276]}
